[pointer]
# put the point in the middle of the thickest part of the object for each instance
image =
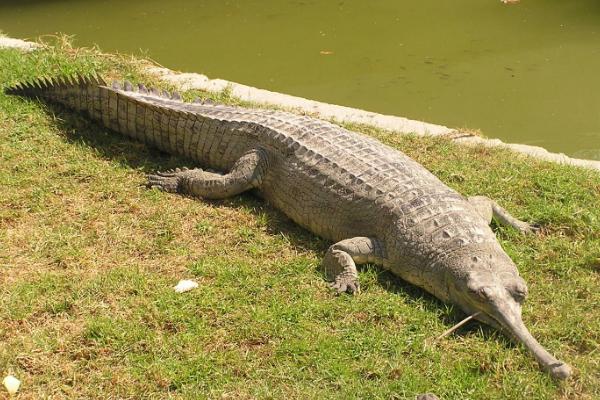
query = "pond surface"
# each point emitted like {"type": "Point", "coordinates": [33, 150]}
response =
{"type": "Point", "coordinates": [527, 73]}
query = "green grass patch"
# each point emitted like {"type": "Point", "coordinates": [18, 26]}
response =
{"type": "Point", "coordinates": [89, 257]}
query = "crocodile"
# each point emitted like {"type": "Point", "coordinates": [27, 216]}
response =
{"type": "Point", "coordinates": [374, 203]}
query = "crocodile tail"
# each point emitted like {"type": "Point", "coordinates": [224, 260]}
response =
{"type": "Point", "coordinates": [70, 90]}
{"type": "Point", "coordinates": [83, 93]}
{"type": "Point", "coordinates": [107, 104]}
{"type": "Point", "coordinates": [147, 115]}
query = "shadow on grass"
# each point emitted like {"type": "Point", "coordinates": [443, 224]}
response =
{"type": "Point", "coordinates": [130, 153]}
{"type": "Point", "coordinates": [415, 294]}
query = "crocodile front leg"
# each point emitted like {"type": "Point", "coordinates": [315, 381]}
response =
{"type": "Point", "coordinates": [246, 174]}
{"type": "Point", "coordinates": [341, 259]}
{"type": "Point", "coordinates": [489, 209]}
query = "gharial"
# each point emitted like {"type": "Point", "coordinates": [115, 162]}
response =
{"type": "Point", "coordinates": [377, 205]}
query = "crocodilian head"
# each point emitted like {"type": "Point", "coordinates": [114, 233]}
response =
{"type": "Point", "coordinates": [497, 297]}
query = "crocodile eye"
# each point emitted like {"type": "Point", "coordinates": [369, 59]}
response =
{"type": "Point", "coordinates": [518, 289]}
{"type": "Point", "coordinates": [478, 285]}
{"type": "Point", "coordinates": [478, 292]}
{"type": "Point", "coordinates": [519, 294]}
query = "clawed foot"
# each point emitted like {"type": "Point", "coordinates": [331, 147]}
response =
{"type": "Point", "coordinates": [343, 284]}
{"type": "Point", "coordinates": [167, 181]}
{"type": "Point", "coordinates": [528, 229]}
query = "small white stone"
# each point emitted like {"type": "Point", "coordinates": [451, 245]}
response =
{"type": "Point", "coordinates": [11, 384]}
{"type": "Point", "coordinates": [185, 286]}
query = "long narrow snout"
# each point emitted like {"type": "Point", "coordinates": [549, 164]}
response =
{"type": "Point", "coordinates": [497, 301]}
{"type": "Point", "coordinates": [514, 325]}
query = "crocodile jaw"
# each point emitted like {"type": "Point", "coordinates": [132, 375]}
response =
{"type": "Point", "coordinates": [509, 317]}
{"type": "Point", "coordinates": [498, 308]}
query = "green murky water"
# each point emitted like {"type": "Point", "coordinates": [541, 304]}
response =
{"type": "Point", "coordinates": [527, 73]}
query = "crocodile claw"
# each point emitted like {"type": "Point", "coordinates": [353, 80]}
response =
{"type": "Point", "coordinates": [345, 285]}
{"type": "Point", "coordinates": [165, 181]}
{"type": "Point", "coordinates": [170, 172]}
{"type": "Point", "coordinates": [528, 229]}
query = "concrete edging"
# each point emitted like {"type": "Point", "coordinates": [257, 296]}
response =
{"type": "Point", "coordinates": [187, 81]}
{"type": "Point", "coordinates": [17, 43]}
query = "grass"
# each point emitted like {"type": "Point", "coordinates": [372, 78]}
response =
{"type": "Point", "coordinates": [89, 257]}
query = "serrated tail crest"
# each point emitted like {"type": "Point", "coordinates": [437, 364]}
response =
{"type": "Point", "coordinates": [44, 84]}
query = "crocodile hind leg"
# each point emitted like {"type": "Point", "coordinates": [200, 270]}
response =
{"type": "Point", "coordinates": [341, 259]}
{"type": "Point", "coordinates": [489, 209]}
{"type": "Point", "coordinates": [246, 174]}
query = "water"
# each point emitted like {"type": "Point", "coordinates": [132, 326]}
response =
{"type": "Point", "coordinates": [526, 73]}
